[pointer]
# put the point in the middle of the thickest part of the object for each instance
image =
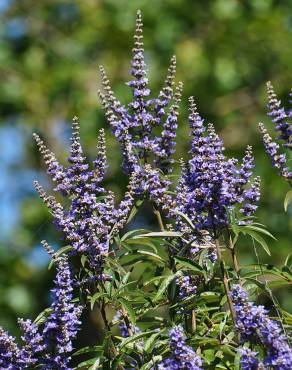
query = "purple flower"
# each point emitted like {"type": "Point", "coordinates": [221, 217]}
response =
{"type": "Point", "coordinates": [251, 197]}
{"type": "Point", "coordinates": [186, 286]}
{"type": "Point", "coordinates": [123, 327]}
{"type": "Point", "coordinates": [279, 117]}
{"type": "Point", "coordinates": [34, 342]}
{"type": "Point", "coordinates": [133, 124]}
{"type": "Point", "coordinates": [63, 323]}
{"type": "Point", "coordinates": [254, 325]}
{"type": "Point", "coordinates": [182, 356]}
{"type": "Point", "coordinates": [89, 220]}
{"type": "Point", "coordinates": [249, 360]}
{"type": "Point", "coordinates": [211, 184]}
{"type": "Point", "coordinates": [11, 356]}
{"type": "Point", "coordinates": [272, 148]}
{"type": "Point", "coordinates": [168, 135]}
{"type": "Point", "coordinates": [51, 345]}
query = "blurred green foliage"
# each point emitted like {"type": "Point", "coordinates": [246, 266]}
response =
{"type": "Point", "coordinates": [50, 50]}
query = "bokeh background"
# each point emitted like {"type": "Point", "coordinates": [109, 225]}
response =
{"type": "Point", "coordinates": [49, 55]}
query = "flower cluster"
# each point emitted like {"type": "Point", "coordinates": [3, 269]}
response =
{"type": "Point", "coordinates": [182, 356]}
{"type": "Point", "coordinates": [134, 125]}
{"type": "Point", "coordinates": [63, 323]}
{"type": "Point", "coordinates": [11, 356]}
{"type": "Point", "coordinates": [272, 148]}
{"type": "Point", "coordinates": [254, 325]}
{"type": "Point", "coordinates": [186, 286]}
{"type": "Point", "coordinates": [92, 216]}
{"type": "Point", "coordinates": [280, 117]}
{"type": "Point", "coordinates": [212, 190]}
{"type": "Point", "coordinates": [51, 346]}
{"type": "Point", "coordinates": [249, 360]}
{"type": "Point", "coordinates": [212, 184]}
{"type": "Point", "coordinates": [125, 330]}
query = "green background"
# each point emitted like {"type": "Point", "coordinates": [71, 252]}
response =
{"type": "Point", "coordinates": [50, 51]}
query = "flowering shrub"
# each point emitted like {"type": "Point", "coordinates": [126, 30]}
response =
{"type": "Point", "coordinates": [181, 298]}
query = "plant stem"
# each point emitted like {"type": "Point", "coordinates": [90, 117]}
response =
{"type": "Point", "coordinates": [127, 322]}
{"type": "Point", "coordinates": [233, 255]}
{"type": "Point", "coordinates": [225, 280]}
{"type": "Point", "coordinates": [194, 325]}
{"type": "Point", "coordinates": [159, 218]}
{"type": "Point", "coordinates": [112, 349]}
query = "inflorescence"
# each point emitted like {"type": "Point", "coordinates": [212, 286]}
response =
{"type": "Point", "coordinates": [92, 217]}
{"type": "Point", "coordinates": [51, 345]}
{"type": "Point", "coordinates": [211, 188]}
{"type": "Point", "coordinates": [254, 325]}
{"type": "Point", "coordinates": [181, 356]}
{"type": "Point", "coordinates": [212, 184]}
{"type": "Point", "coordinates": [280, 117]}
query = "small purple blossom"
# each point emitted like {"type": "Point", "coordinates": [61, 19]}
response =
{"type": "Point", "coordinates": [186, 286]}
{"type": "Point", "coordinates": [90, 219]}
{"type": "Point", "coordinates": [249, 360]}
{"type": "Point", "coordinates": [253, 324]}
{"type": "Point", "coordinates": [11, 356]}
{"type": "Point", "coordinates": [279, 117]}
{"type": "Point", "coordinates": [251, 197]}
{"type": "Point", "coordinates": [133, 124]}
{"type": "Point", "coordinates": [51, 345]}
{"type": "Point", "coordinates": [211, 184]}
{"type": "Point", "coordinates": [272, 148]}
{"type": "Point", "coordinates": [181, 356]}
{"type": "Point", "coordinates": [126, 331]}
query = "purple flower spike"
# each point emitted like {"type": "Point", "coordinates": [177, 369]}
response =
{"type": "Point", "coordinates": [89, 220]}
{"type": "Point", "coordinates": [63, 323]}
{"type": "Point", "coordinates": [168, 135]}
{"type": "Point", "coordinates": [211, 184]}
{"type": "Point", "coordinates": [10, 354]}
{"type": "Point", "coordinates": [254, 325]}
{"type": "Point", "coordinates": [186, 287]}
{"type": "Point", "coordinates": [272, 148]}
{"type": "Point", "coordinates": [133, 124]}
{"type": "Point", "coordinates": [182, 356]}
{"type": "Point", "coordinates": [279, 117]}
{"type": "Point", "coordinates": [249, 360]}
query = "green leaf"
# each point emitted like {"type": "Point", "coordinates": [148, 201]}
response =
{"type": "Point", "coordinates": [132, 233]}
{"type": "Point", "coordinates": [186, 218]}
{"type": "Point", "coordinates": [135, 337]}
{"type": "Point", "coordinates": [153, 280]}
{"type": "Point", "coordinates": [160, 234]}
{"type": "Point", "coordinates": [150, 342]}
{"type": "Point", "coordinates": [210, 297]}
{"type": "Point", "coordinates": [134, 210]}
{"type": "Point", "coordinates": [260, 230]}
{"type": "Point", "coordinates": [88, 349]}
{"type": "Point", "coordinates": [42, 317]}
{"type": "Point", "coordinates": [129, 309]}
{"type": "Point", "coordinates": [163, 286]}
{"type": "Point", "coordinates": [259, 239]}
{"type": "Point", "coordinates": [97, 296]}
{"type": "Point", "coordinates": [288, 199]}
{"type": "Point", "coordinates": [153, 361]}
{"type": "Point", "coordinates": [151, 255]}
{"type": "Point", "coordinates": [288, 260]}
{"type": "Point", "coordinates": [59, 252]}
{"type": "Point", "coordinates": [122, 287]}
{"type": "Point", "coordinates": [222, 324]}
{"type": "Point", "coordinates": [95, 365]}
{"type": "Point", "coordinates": [189, 264]}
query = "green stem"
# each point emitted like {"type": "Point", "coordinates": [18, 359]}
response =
{"type": "Point", "coordinates": [159, 218]}
{"type": "Point", "coordinates": [225, 280]}
{"type": "Point", "coordinates": [233, 255]}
